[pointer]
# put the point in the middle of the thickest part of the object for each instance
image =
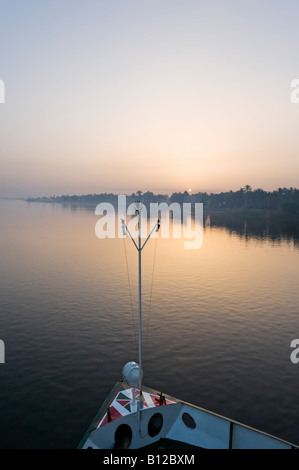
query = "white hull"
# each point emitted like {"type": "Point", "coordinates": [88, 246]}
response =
{"type": "Point", "coordinates": [164, 422]}
{"type": "Point", "coordinates": [168, 424]}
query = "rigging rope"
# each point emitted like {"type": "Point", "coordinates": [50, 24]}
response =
{"type": "Point", "coordinates": [129, 284]}
{"type": "Point", "coordinates": [151, 291]}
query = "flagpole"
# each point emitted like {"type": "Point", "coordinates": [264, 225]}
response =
{"type": "Point", "coordinates": [139, 248]}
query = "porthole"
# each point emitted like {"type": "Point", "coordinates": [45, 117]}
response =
{"type": "Point", "coordinates": [123, 437]}
{"type": "Point", "coordinates": [188, 421]}
{"type": "Point", "coordinates": [155, 424]}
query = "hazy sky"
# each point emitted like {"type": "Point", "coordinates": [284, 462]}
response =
{"type": "Point", "coordinates": [160, 95]}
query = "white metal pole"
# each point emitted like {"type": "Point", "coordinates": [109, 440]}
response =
{"type": "Point", "coordinates": [139, 248]}
{"type": "Point", "coordinates": [140, 325]}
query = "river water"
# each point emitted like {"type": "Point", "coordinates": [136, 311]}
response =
{"type": "Point", "coordinates": [218, 322]}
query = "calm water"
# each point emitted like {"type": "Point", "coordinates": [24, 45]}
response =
{"type": "Point", "coordinates": [221, 322]}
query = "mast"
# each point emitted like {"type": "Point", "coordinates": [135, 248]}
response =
{"type": "Point", "coordinates": [139, 248]}
{"type": "Point", "coordinates": [138, 209]}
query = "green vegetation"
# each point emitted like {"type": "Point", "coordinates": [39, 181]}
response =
{"type": "Point", "coordinates": [283, 199]}
{"type": "Point", "coordinates": [246, 211]}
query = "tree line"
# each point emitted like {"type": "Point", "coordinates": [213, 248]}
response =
{"type": "Point", "coordinates": [282, 199]}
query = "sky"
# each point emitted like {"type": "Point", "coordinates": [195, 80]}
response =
{"type": "Point", "coordinates": [151, 95]}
